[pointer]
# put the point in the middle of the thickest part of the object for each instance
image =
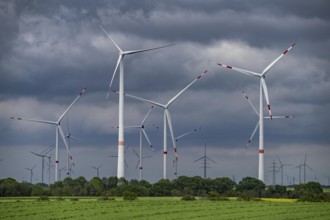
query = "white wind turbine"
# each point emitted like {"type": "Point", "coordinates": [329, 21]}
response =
{"type": "Point", "coordinates": [167, 117]}
{"type": "Point", "coordinates": [263, 91]}
{"type": "Point", "coordinates": [175, 161]}
{"type": "Point", "coordinates": [58, 130]}
{"type": "Point", "coordinates": [31, 172]}
{"type": "Point", "coordinates": [265, 118]}
{"type": "Point", "coordinates": [142, 132]}
{"type": "Point", "coordinates": [97, 169]}
{"type": "Point", "coordinates": [120, 62]}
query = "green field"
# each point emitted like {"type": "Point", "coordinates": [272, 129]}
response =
{"type": "Point", "coordinates": [159, 208]}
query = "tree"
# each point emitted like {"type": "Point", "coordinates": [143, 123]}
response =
{"type": "Point", "coordinates": [308, 188]}
{"type": "Point", "coordinates": [161, 188]}
{"type": "Point", "coordinates": [251, 185]}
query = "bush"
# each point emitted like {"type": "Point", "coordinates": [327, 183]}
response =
{"type": "Point", "coordinates": [59, 198]}
{"type": "Point", "coordinates": [214, 196]}
{"type": "Point", "coordinates": [188, 198]}
{"type": "Point", "coordinates": [130, 196]}
{"type": "Point", "coordinates": [248, 196]}
{"type": "Point", "coordinates": [43, 198]}
{"type": "Point", "coordinates": [313, 197]}
{"type": "Point", "coordinates": [105, 198]}
{"type": "Point", "coordinates": [74, 199]}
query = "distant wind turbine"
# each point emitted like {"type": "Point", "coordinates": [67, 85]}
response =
{"type": "Point", "coordinates": [120, 62]}
{"type": "Point", "coordinates": [97, 169]}
{"type": "Point", "coordinates": [263, 91]}
{"type": "Point", "coordinates": [282, 165]}
{"type": "Point", "coordinates": [58, 130]}
{"type": "Point", "coordinates": [31, 172]}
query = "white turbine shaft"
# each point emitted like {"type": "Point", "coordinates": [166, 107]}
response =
{"type": "Point", "coordinates": [141, 155]}
{"type": "Point", "coordinates": [261, 138]}
{"type": "Point", "coordinates": [165, 147]}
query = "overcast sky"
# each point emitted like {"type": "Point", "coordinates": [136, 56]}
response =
{"type": "Point", "coordinates": [51, 50]}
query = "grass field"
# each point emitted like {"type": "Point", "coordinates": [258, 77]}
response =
{"type": "Point", "coordinates": [159, 208]}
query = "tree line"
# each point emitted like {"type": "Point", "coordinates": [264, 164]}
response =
{"type": "Point", "coordinates": [248, 187]}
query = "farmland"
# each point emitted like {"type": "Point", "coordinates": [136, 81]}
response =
{"type": "Point", "coordinates": [159, 208]}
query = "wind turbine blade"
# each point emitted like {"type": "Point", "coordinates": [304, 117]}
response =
{"type": "Point", "coordinates": [146, 136]}
{"type": "Point", "coordinates": [100, 166]}
{"type": "Point", "coordinates": [35, 120]}
{"type": "Point", "coordinates": [33, 167]}
{"type": "Point", "coordinates": [39, 155]}
{"type": "Point", "coordinates": [182, 91]}
{"type": "Point", "coordinates": [143, 100]}
{"type": "Point", "coordinates": [253, 133]}
{"type": "Point", "coordinates": [249, 101]}
{"type": "Point", "coordinates": [118, 48]}
{"type": "Point", "coordinates": [136, 153]}
{"type": "Point", "coordinates": [264, 87]}
{"type": "Point", "coordinates": [246, 72]}
{"type": "Point", "coordinates": [74, 101]}
{"type": "Point", "coordinates": [144, 50]}
{"type": "Point", "coordinates": [114, 74]}
{"type": "Point", "coordinates": [276, 60]}
{"type": "Point", "coordinates": [64, 140]}
{"type": "Point", "coordinates": [169, 121]}
{"type": "Point", "coordinates": [280, 117]}
{"type": "Point", "coordinates": [279, 160]}
{"type": "Point", "coordinates": [145, 118]}
{"type": "Point", "coordinates": [185, 134]}
{"type": "Point", "coordinates": [74, 138]}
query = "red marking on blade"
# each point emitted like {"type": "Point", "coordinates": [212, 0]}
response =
{"type": "Point", "coordinates": [199, 76]}
{"type": "Point", "coordinates": [219, 64]}
{"type": "Point", "coordinates": [141, 168]}
{"type": "Point", "coordinates": [286, 116]}
{"type": "Point", "coordinates": [268, 107]}
{"type": "Point", "coordinates": [294, 44]}
{"type": "Point", "coordinates": [285, 52]}
{"type": "Point", "coordinates": [70, 158]}
{"type": "Point", "coordinates": [12, 118]}
{"type": "Point", "coordinates": [19, 118]}
{"type": "Point", "coordinates": [174, 150]}
{"type": "Point", "coordinates": [246, 97]}
{"type": "Point", "coordinates": [56, 161]}
{"type": "Point", "coordinates": [205, 71]}
{"type": "Point", "coordinates": [165, 152]}
{"type": "Point", "coordinates": [229, 67]}
{"type": "Point", "coordinates": [249, 141]}
{"type": "Point", "coordinates": [261, 151]}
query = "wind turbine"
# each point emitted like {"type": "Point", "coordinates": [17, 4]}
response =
{"type": "Point", "coordinates": [31, 172]}
{"type": "Point", "coordinates": [120, 62]}
{"type": "Point", "coordinates": [299, 167]}
{"type": "Point", "coordinates": [263, 91]}
{"type": "Point", "coordinates": [139, 162]}
{"type": "Point", "coordinates": [97, 169]}
{"type": "Point", "coordinates": [142, 133]}
{"type": "Point", "coordinates": [305, 165]}
{"type": "Point", "coordinates": [175, 161]}
{"type": "Point", "coordinates": [42, 164]}
{"type": "Point", "coordinates": [58, 130]}
{"type": "Point", "coordinates": [282, 165]}
{"type": "Point", "coordinates": [167, 117]}
{"type": "Point", "coordinates": [69, 136]}
{"type": "Point", "coordinates": [265, 118]}
{"type": "Point", "coordinates": [205, 160]}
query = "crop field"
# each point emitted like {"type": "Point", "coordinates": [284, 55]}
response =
{"type": "Point", "coordinates": [159, 208]}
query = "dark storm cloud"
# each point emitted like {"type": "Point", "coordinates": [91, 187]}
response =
{"type": "Point", "coordinates": [50, 50]}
